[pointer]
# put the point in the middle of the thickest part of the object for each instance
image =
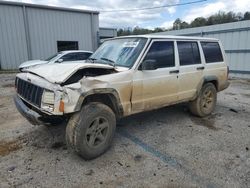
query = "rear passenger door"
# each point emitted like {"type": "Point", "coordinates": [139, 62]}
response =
{"type": "Point", "coordinates": [191, 68]}
{"type": "Point", "coordinates": [159, 87]}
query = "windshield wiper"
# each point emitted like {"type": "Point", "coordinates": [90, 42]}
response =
{"type": "Point", "coordinates": [111, 62]}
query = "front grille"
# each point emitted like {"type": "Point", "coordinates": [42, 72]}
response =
{"type": "Point", "coordinates": [29, 91]}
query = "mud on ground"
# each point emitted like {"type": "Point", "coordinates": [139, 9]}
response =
{"type": "Point", "coordinates": [163, 148]}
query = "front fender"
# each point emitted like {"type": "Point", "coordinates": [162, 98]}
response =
{"type": "Point", "coordinates": [107, 91]}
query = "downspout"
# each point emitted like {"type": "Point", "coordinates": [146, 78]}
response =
{"type": "Point", "coordinates": [92, 32]}
{"type": "Point", "coordinates": [27, 33]}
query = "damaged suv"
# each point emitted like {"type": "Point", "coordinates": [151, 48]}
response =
{"type": "Point", "coordinates": [126, 75]}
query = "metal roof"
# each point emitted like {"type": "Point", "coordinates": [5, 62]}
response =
{"type": "Point", "coordinates": [108, 28]}
{"type": "Point", "coordinates": [73, 51]}
{"type": "Point", "coordinates": [169, 37]}
{"type": "Point", "coordinates": [47, 7]}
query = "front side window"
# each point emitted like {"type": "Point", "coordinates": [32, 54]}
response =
{"type": "Point", "coordinates": [119, 52]}
{"type": "Point", "coordinates": [188, 53]}
{"type": "Point", "coordinates": [212, 52]}
{"type": "Point", "coordinates": [162, 53]}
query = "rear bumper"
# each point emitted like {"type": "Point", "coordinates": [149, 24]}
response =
{"type": "Point", "coordinates": [224, 86]}
{"type": "Point", "coordinates": [32, 116]}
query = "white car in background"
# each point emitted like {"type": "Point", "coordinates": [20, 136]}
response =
{"type": "Point", "coordinates": [63, 56]}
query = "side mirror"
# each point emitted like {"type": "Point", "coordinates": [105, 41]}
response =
{"type": "Point", "coordinates": [149, 64]}
{"type": "Point", "coordinates": [59, 61]}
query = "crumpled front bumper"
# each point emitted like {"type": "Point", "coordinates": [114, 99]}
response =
{"type": "Point", "coordinates": [29, 114]}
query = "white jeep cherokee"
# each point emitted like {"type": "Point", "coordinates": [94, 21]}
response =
{"type": "Point", "coordinates": [126, 75]}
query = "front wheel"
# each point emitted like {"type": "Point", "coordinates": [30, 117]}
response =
{"type": "Point", "coordinates": [205, 102]}
{"type": "Point", "coordinates": [91, 131]}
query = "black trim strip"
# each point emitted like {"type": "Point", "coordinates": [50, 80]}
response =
{"type": "Point", "coordinates": [238, 51]}
{"type": "Point", "coordinates": [239, 72]}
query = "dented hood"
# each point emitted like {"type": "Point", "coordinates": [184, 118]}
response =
{"type": "Point", "coordinates": [59, 73]}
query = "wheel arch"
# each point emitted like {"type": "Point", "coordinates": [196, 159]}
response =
{"type": "Point", "coordinates": [107, 96]}
{"type": "Point", "coordinates": [206, 79]}
{"type": "Point", "coordinates": [211, 79]}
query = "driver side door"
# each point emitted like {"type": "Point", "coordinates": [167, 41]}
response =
{"type": "Point", "coordinates": [156, 85]}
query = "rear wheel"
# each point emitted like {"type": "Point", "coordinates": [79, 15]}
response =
{"type": "Point", "coordinates": [91, 131]}
{"type": "Point", "coordinates": [205, 103]}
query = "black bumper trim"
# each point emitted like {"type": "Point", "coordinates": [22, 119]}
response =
{"type": "Point", "coordinates": [29, 114]}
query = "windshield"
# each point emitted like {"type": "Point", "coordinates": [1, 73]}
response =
{"type": "Point", "coordinates": [53, 56]}
{"type": "Point", "coordinates": [119, 52]}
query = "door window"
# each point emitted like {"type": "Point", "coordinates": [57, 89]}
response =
{"type": "Point", "coordinates": [83, 55]}
{"type": "Point", "coordinates": [162, 52]}
{"type": "Point", "coordinates": [188, 53]}
{"type": "Point", "coordinates": [70, 57]}
{"type": "Point", "coordinates": [76, 56]}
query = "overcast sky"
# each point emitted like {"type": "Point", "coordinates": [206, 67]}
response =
{"type": "Point", "coordinates": [151, 18]}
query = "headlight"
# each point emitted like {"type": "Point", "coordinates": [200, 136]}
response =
{"type": "Point", "coordinates": [48, 97]}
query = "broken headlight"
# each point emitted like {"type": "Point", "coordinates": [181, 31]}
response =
{"type": "Point", "coordinates": [48, 100]}
{"type": "Point", "coordinates": [48, 97]}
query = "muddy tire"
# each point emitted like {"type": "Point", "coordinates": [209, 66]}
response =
{"type": "Point", "coordinates": [90, 132]}
{"type": "Point", "coordinates": [205, 103]}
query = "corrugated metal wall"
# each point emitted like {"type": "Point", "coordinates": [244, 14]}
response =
{"type": "Point", "coordinates": [235, 38]}
{"type": "Point", "coordinates": [107, 32]}
{"type": "Point", "coordinates": [46, 27]}
{"type": "Point", "coordinates": [32, 32]}
{"type": "Point", "coordinates": [13, 46]}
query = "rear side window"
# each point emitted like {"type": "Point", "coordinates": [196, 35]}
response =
{"type": "Point", "coordinates": [163, 53]}
{"type": "Point", "coordinates": [212, 52]}
{"type": "Point", "coordinates": [70, 57]}
{"type": "Point", "coordinates": [188, 53]}
{"type": "Point", "coordinates": [83, 55]}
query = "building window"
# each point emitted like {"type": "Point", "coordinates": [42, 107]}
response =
{"type": "Point", "coordinates": [67, 45]}
{"type": "Point", "coordinates": [212, 52]}
{"type": "Point", "coordinates": [163, 54]}
{"type": "Point", "coordinates": [188, 53]}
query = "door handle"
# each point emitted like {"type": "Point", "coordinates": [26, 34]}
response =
{"type": "Point", "coordinates": [174, 71]}
{"type": "Point", "coordinates": [200, 68]}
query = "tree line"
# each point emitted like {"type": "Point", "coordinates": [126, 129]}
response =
{"type": "Point", "coordinates": [218, 18]}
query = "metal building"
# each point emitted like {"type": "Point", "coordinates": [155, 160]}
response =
{"type": "Point", "coordinates": [107, 32]}
{"type": "Point", "coordinates": [29, 31]}
{"type": "Point", "coordinates": [235, 38]}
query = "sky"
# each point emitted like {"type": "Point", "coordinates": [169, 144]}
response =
{"type": "Point", "coordinates": [163, 17]}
